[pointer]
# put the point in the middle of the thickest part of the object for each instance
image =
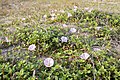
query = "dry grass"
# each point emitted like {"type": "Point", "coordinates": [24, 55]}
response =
{"type": "Point", "coordinates": [12, 9]}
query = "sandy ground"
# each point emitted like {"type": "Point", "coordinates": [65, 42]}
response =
{"type": "Point", "coordinates": [11, 9]}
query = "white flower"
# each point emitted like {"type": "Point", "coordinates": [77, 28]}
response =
{"type": "Point", "coordinates": [55, 10]}
{"type": "Point", "coordinates": [87, 8]}
{"type": "Point", "coordinates": [75, 7]}
{"type": "Point", "coordinates": [90, 10]}
{"type": "Point", "coordinates": [23, 19]}
{"type": "Point", "coordinates": [58, 14]}
{"type": "Point", "coordinates": [6, 39]}
{"type": "Point", "coordinates": [74, 10]}
{"type": "Point", "coordinates": [64, 25]}
{"type": "Point", "coordinates": [96, 49]}
{"type": "Point", "coordinates": [64, 39]}
{"type": "Point", "coordinates": [84, 56]}
{"type": "Point", "coordinates": [52, 18]}
{"type": "Point", "coordinates": [32, 47]}
{"type": "Point", "coordinates": [73, 30]}
{"type": "Point", "coordinates": [53, 14]}
{"type": "Point", "coordinates": [48, 62]}
{"type": "Point", "coordinates": [29, 16]}
{"type": "Point", "coordinates": [111, 29]}
{"type": "Point", "coordinates": [69, 14]}
{"type": "Point", "coordinates": [98, 28]}
{"type": "Point", "coordinates": [45, 16]}
{"type": "Point", "coordinates": [52, 11]}
{"type": "Point", "coordinates": [62, 11]}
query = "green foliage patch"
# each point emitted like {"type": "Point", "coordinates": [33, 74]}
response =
{"type": "Point", "coordinates": [93, 29]}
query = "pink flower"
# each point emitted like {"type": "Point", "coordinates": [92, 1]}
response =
{"type": "Point", "coordinates": [69, 14]}
{"type": "Point", "coordinates": [87, 8]}
{"type": "Point", "coordinates": [90, 10]}
{"type": "Point", "coordinates": [45, 16]}
{"type": "Point", "coordinates": [23, 19]}
{"type": "Point", "coordinates": [48, 62]}
{"type": "Point", "coordinates": [84, 56]}
{"type": "Point", "coordinates": [96, 49]}
{"type": "Point", "coordinates": [53, 14]}
{"type": "Point", "coordinates": [64, 25]}
{"type": "Point", "coordinates": [6, 39]}
{"type": "Point", "coordinates": [64, 39]}
{"type": "Point", "coordinates": [72, 30]}
{"type": "Point", "coordinates": [62, 11]}
{"type": "Point", "coordinates": [32, 47]}
{"type": "Point", "coordinates": [75, 8]}
{"type": "Point", "coordinates": [52, 18]}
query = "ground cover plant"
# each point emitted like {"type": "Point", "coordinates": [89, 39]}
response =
{"type": "Point", "coordinates": [69, 44]}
